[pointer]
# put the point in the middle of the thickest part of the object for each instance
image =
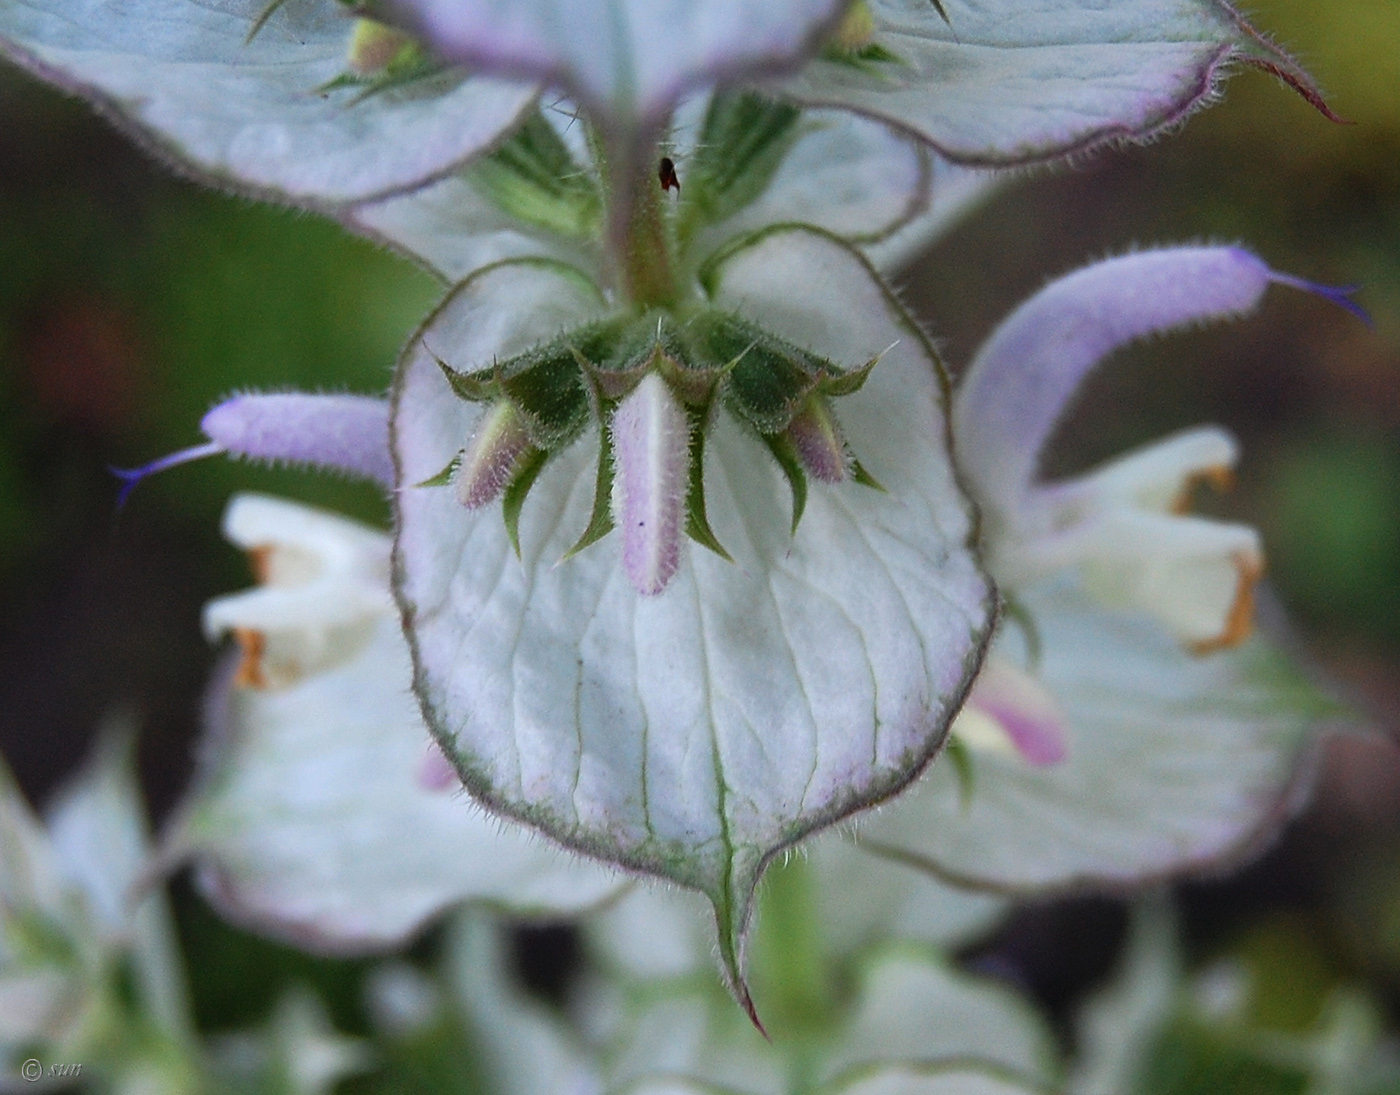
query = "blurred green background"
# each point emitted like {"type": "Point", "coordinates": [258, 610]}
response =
{"type": "Point", "coordinates": [130, 302]}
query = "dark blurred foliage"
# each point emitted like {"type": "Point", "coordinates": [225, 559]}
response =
{"type": "Point", "coordinates": [131, 301]}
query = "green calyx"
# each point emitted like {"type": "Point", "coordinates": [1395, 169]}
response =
{"type": "Point", "coordinates": [709, 359]}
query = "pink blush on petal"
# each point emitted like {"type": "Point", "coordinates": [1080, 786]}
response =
{"type": "Point", "coordinates": [435, 771]}
{"type": "Point", "coordinates": [1024, 709]}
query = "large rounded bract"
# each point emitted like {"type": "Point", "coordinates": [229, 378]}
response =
{"type": "Point", "coordinates": [1174, 760]}
{"type": "Point", "coordinates": [694, 733]}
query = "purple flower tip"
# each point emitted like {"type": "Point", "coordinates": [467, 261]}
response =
{"type": "Point", "coordinates": [1337, 294]}
{"type": "Point", "coordinates": [345, 433]}
{"type": "Point", "coordinates": [132, 476]}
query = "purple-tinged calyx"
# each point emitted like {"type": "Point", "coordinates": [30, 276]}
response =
{"type": "Point", "coordinates": [651, 454]}
{"type": "Point", "coordinates": [816, 435]}
{"type": "Point", "coordinates": [539, 402]}
{"type": "Point", "coordinates": [493, 456]}
{"type": "Point", "coordinates": [344, 433]}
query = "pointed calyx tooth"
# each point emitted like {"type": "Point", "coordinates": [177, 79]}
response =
{"type": "Point", "coordinates": [498, 448]}
{"type": "Point", "coordinates": [766, 379]}
{"type": "Point", "coordinates": [546, 385]}
{"type": "Point", "coordinates": [816, 435]}
{"type": "Point", "coordinates": [651, 381]}
{"type": "Point", "coordinates": [616, 355]}
{"type": "Point", "coordinates": [651, 453]}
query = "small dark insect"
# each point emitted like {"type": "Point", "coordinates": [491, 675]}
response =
{"type": "Point", "coordinates": [666, 172]}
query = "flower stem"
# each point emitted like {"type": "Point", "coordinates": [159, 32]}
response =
{"type": "Point", "coordinates": [640, 229]}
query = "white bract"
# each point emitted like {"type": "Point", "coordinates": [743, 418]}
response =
{"type": "Point", "coordinates": [694, 732]}
{"type": "Point", "coordinates": [302, 101]}
{"type": "Point", "coordinates": [1000, 82]}
{"type": "Point", "coordinates": [1104, 742]}
{"type": "Point", "coordinates": [792, 609]}
{"type": "Point", "coordinates": [1010, 82]}
{"type": "Point", "coordinates": [297, 823]}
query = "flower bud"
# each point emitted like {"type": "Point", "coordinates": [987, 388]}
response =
{"type": "Point", "coordinates": [856, 30]}
{"type": "Point", "coordinates": [651, 444]}
{"type": "Point", "coordinates": [374, 47]}
{"type": "Point", "coordinates": [817, 437]}
{"type": "Point", "coordinates": [493, 455]}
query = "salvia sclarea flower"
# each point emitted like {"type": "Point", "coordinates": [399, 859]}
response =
{"type": "Point", "coordinates": [1124, 725]}
{"type": "Point", "coordinates": [684, 567]}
